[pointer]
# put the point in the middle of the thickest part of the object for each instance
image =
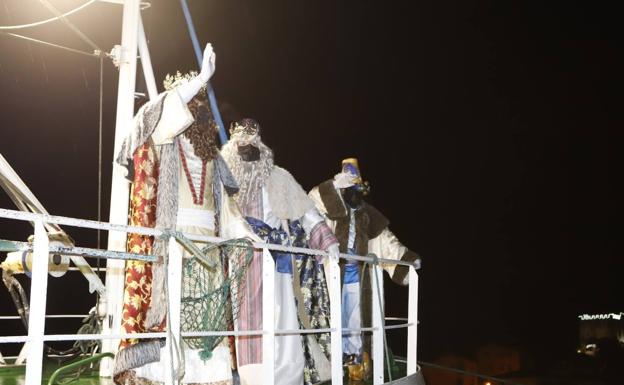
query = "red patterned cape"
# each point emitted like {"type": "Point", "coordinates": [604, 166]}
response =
{"type": "Point", "coordinates": [138, 280]}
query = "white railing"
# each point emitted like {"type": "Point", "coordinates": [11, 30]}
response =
{"type": "Point", "coordinates": [36, 336]}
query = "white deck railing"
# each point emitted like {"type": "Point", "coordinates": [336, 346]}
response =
{"type": "Point", "coordinates": [36, 336]}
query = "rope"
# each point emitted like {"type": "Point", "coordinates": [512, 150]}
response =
{"type": "Point", "coordinates": [189, 245]}
{"type": "Point", "coordinates": [99, 193]}
{"type": "Point", "coordinates": [33, 40]}
{"type": "Point", "coordinates": [69, 24]}
{"type": "Point", "coordinates": [46, 21]}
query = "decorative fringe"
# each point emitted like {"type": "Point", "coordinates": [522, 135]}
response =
{"type": "Point", "coordinates": [137, 355]}
{"type": "Point", "coordinates": [145, 122]}
{"type": "Point", "coordinates": [166, 214]}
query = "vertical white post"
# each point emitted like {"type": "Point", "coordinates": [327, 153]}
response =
{"type": "Point", "coordinates": [174, 287]}
{"type": "Point", "coordinates": [120, 191]}
{"type": "Point", "coordinates": [268, 318]}
{"type": "Point", "coordinates": [412, 318]}
{"type": "Point", "coordinates": [146, 63]}
{"type": "Point", "coordinates": [38, 293]}
{"type": "Point", "coordinates": [335, 304]}
{"type": "Point", "coordinates": [378, 337]}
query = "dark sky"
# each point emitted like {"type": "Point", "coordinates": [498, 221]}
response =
{"type": "Point", "coordinates": [487, 129]}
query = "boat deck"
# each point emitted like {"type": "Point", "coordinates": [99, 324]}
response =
{"type": "Point", "coordinates": [15, 375]}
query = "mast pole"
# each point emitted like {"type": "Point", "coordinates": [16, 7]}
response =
{"type": "Point", "coordinates": [120, 189]}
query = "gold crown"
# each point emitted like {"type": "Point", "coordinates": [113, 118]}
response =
{"type": "Point", "coordinates": [172, 81]}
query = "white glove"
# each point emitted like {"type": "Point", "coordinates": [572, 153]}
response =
{"type": "Point", "coordinates": [334, 253]}
{"type": "Point", "coordinates": [208, 64]}
{"type": "Point", "coordinates": [188, 90]}
{"type": "Point", "coordinates": [344, 180]}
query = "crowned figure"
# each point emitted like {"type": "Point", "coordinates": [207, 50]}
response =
{"type": "Point", "coordinates": [280, 212]}
{"type": "Point", "coordinates": [361, 229]}
{"type": "Point", "coordinates": [179, 182]}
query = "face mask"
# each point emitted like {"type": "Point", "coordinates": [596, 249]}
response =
{"type": "Point", "coordinates": [249, 153]}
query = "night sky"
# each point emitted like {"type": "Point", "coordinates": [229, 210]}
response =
{"type": "Point", "coordinates": [487, 129]}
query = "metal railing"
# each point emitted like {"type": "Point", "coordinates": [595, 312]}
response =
{"type": "Point", "coordinates": [41, 248]}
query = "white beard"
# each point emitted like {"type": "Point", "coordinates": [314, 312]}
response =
{"type": "Point", "coordinates": [250, 176]}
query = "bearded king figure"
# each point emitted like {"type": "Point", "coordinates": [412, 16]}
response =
{"type": "Point", "coordinates": [280, 212]}
{"type": "Point", "coordinates": [179, 182]}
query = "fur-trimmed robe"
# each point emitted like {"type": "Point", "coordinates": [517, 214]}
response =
{"type": "Point", "coordinates": [150, 154]}
{"type": "Point", "coordinates": [372, 235]}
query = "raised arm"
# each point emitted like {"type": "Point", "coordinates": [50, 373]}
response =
{"type": "Point", "coordinates": [189, 89]}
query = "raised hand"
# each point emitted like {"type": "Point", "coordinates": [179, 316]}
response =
{"type": "Point", "coordinates": [208, 63]}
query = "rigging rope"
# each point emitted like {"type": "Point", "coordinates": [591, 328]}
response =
{"type": "Point", "coordinates": [144, 6]}
{"type": "Point", "coordinates": [99, 208]}
{"type": "Point", "coordinates": [33, 40]}
{"type": "Point", "coordinates": [69, 24]}
{"type": "Point", "coordinates": [46, 21]}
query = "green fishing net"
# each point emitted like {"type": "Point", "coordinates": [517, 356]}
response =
{"type": "Point", "coordinates": [211, 292]}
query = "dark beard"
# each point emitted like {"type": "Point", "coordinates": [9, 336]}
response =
{"type": "Point", "coordinates": [353, 198]}
{"type": "Point", "coordinates": [203, 132]}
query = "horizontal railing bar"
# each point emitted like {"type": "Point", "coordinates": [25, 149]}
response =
{"type": "Point", "coordinates": [95, 269]}
{"type": "Point", "coordinates": [86, 223]}
{"type": "Point", "coordinates": [82, 337]}
{"type": "Point", "coordinates": [396, 318]}
{"type": "Point", "coordinates": [47, 355]}
{"type": "Point", "coordinates": [399, 326]}
{"type": "Point", "coordinates": [355, 330]}
{"type": "Point", "coordinates": [9, 317]}
{"type": "Point", "coordinates": [86, 252]}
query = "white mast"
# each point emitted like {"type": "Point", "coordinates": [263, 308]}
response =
{"type": "Point", "coordinates": [120, 189]}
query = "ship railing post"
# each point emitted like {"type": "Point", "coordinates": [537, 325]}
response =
{"type": "Point", "coordinates": [268, 317]}
{"type": "Point", "coordinates": [174, 296]}
{"type": "Point", "coordinates": [38, 294]}
{"type": "Point", "coordinates": [378, 322]}
{"type": "Point", "coordinates": [412, 320]}
{"type": "Point", "coordinates": [335, 303]}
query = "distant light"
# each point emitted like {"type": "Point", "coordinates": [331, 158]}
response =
{"type": "Point", "coordinates": [590, 317]}
{"type": "Point", "coordinates": [488, 383]}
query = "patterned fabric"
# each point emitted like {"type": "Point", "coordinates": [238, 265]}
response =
{"type": "Point", "coordinates": [312, 280]}
{"type": "Point", "coordinates": [316, 306]}
{"type": "Point", "coordinates": [283, 261]}
{"type": "Point", "coordinates": [249, 348]}
{"type": "Point", "coordinates": [321, 237]}
{"type": "Point", "coordinates": [138, 279]}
